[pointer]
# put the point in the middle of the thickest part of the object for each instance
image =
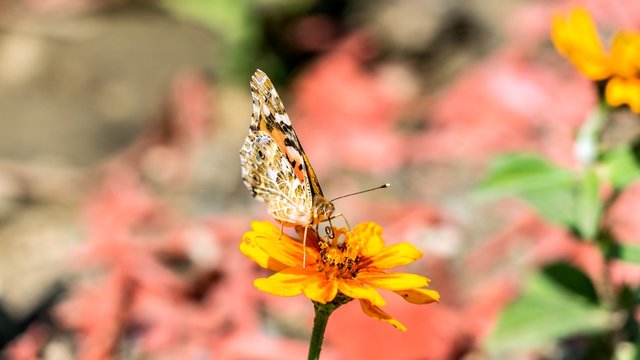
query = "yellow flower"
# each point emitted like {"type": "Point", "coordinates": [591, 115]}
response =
{"type": "Point", "coordinates": [353, 266]}
{"type": "Point", "coordinates": [576, 38]}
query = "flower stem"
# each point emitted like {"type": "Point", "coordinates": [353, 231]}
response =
{"type": "Point", "coordinates": [322, 313]}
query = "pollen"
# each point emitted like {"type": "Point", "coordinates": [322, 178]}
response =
{"type": "Point", "coordinates": [338, 260]}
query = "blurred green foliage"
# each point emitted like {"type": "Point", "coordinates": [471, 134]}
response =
{"type": "Point", "coordinates": [239, 25]}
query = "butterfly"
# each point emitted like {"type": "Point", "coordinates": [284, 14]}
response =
{"type": "Point", "coordinates": [274, 166]}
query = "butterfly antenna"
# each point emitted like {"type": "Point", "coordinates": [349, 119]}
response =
{"type": "Point", "coordinates": [363, 191]}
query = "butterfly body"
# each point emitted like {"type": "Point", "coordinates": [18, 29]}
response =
{"type": "Point", "coordinates": [274, 166]}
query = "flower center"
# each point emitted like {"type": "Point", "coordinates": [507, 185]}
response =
{"type": "Point", "coordinates": [338, 260]}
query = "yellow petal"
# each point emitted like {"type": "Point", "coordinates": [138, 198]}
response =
{"type": "Point", "coordinates": [392, 256]}
{"type": "Point", "coordinates": [357, 290]}
{"type": "Point", "coordinates": [623, 91]}
{"type": "Point", "coordinates": [288, 282]}
{"type": "Point", "coordinates": [625, 54]}
{"type": "Point", "coordinates": [419, 296]}
{"type": "Point", "coordinates": [278, 245]}
{"type": "Point", "coordinates": [576, 38]}
{"type": "Point", "coordinates": [369, 235]}
{"type": "Point", "coordinates": [375, 312]}
{"type": "Point", "coordinates": [249, 248]}
{"type": "Point", "coordinates": [395, 281]}
{"type": "Point", "coordinates": [319, 288]}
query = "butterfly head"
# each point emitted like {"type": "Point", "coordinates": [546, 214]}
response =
{"type": "Point", "coordinates": [322, 209]}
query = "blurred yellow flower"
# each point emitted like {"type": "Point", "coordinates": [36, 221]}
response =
{"type": "Point", "coordinates": [576, 38]}
{"type": "Point", "coordinates": [354, 267]}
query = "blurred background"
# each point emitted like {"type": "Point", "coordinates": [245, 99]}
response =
{"type": "Point", "coordinates": [122, 207]}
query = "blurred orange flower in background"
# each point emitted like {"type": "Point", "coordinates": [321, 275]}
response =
{"type": "Point", "coordinates": [576, 38]}
{"type": "Point", "coordinates": [353, 267]}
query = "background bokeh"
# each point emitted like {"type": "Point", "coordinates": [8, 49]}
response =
{"type": "Point", "coordinates": [122, 207]}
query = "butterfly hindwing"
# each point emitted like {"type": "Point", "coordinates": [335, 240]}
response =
{"type": "Point", "coordinates": [267, 173]}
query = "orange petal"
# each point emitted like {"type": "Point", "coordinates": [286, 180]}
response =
{"type": "Point", "coordinates": [419, 296]}
{"type": "Point", "coordinates": [392, 256]}
{"type": "Point", "coordinates": [375, 312]}
{"type": "Point", "coordinates": [369, 235]}
{"type": "Point", "coordinates": [320, 289]}
{"type": "Point", "coordinates": [288, 282]}
{"type": "Point", "coordinates": [357, 290]}
{"type": "Point", "coordinates": [394, 281]}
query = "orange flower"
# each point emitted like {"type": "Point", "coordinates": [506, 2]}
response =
{"type": "Point", "coordinates": [353, 267]}
{"type": "Point", "coordinates": [576, 38]}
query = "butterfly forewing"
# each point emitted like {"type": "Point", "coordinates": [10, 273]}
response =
{"type": "Point", "coordinates": [274, 166]}
{"type": "Point", "coordinates": [270, 116]}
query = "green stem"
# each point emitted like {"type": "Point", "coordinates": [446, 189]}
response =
{"type": "Point", "coordinates": [322, 313]}
{"type": "Point", "coordinates": [587, 145]}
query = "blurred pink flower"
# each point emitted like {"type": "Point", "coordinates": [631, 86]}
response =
{"type": "Point", "coordinates": [165, 286]}
{"type": "Point", "coordinates": [506, 103]}
{"type": "Point", "coordinates": [29, 345]}
{"type": "Point", "coordinates": [622, 217]}
{"type": "Point", "coordinates": [345, 115]}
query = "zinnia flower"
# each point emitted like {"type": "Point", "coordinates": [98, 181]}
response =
{"type": "Point", "coordinates": [576, 38]}
{"type": "Point", "coordinates": [351, 266]}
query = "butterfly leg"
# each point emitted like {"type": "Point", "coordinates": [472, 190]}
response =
{"type": "Point", "coordinates": [281, 230]}
{"type": "Point", "coordinates": [304, 248]}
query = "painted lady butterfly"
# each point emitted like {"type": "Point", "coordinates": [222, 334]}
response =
{"type": "Point", "coordinates": [274, 167]}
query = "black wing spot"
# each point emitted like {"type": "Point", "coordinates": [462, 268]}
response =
{"type": "Point", "coordinates": [261, 154]}
{"type": "Point", "coordinates": [256, 178]}
{"type": "Point", "coordinates": [300, 166]}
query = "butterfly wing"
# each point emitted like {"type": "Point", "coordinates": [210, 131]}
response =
{"type": "Point", "coordinates": [270, 116]}
{"type": "Point", "coordinates": [274, 167]}
{"type": "Point", "coordinates": [267, 173]}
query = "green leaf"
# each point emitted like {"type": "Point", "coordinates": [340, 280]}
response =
{"type": "Point", "coordinates": [572, 279]}
{"type": "Point", "coordinates": [624, 252]}
{"type": "Point", "coordinates": [621, 166]}
{"type": "Point", "coordinates": [547, 187]}
{"type": "Point", "coordinates": [588, 206]}
{"type": "Point", "coordinates": [547, 310]}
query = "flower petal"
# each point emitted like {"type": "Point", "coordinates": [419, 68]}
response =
{"type": "Point", "coordinates": [394, 281]}
{"type": "Point", "coordinates": [419, 296]}
{"type": "Point", "coordinates": [576, 38]}
{"type": "Point", "coordinates": [288, 282]}
{"type": "Point", "coordinates": [369, 236]}
{"type": "Point", "coordinates": [250, 249]}
{"type": "Point", "coordinates": [375, 312]}
{"type": "Point", "coordinates": [319, 288]}
{"type": "Point", "coordinates": [625, 54]}
{"type": "Point", "coordinates": [623, 91]}
{"type": "Point", "coordinates": [358, 290]}
{"type": "Point", "coordinates": [392, 256]}
{"type": "Point", "coordinates": [278, 245]}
